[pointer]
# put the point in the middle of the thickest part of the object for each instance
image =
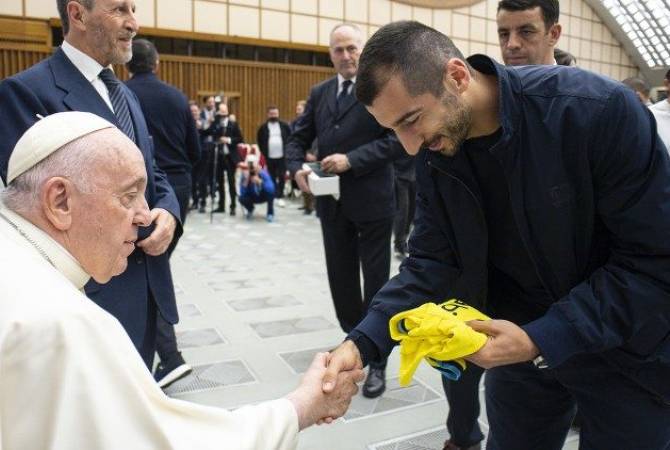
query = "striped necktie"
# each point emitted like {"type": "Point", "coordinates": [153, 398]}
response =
{"type": "Point", "coordinates": [119, 102]}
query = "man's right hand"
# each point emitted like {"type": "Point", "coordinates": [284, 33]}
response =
{"type": "Point", "coordinates": [301, 178]}
{"type": "Point", "coordinates": [344, 358]}
{"type": "Point", "coordinates": [312, 405]}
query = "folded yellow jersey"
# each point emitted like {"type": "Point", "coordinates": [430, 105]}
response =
{"type": "Point", "coordinates": [436, 333]}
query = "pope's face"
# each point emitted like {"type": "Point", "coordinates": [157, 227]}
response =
{"type": "Point", "coordinates": [106, 218]}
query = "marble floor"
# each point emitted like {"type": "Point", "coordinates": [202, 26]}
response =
{"type": "Point", "coordinates": [255, 307]}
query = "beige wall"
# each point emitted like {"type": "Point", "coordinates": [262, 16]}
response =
{"type": "Point", "coordinates": [472, 28]}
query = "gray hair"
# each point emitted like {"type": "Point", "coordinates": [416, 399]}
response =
{"type": "Point", "coordinates": [62, 11]}
{"type": "Point", "coordinates": [75, 161]}
{"type": "Point", "coordinates": [353, 26]}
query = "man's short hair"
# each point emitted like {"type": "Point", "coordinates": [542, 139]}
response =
{"type": "Point", "coordinates": [638, 85]}
{"type": "Point", "coordinates": [667, 75]}
{"type": "Point", "coordinates": [145, 57]}
{"type": "Point", "coordinates": [61, 5]}
{"type": "Point", "coordinates": [410, 49]}
{"type": "Point", "coordinates": [271, 107]}
{"type": "Point", "coordinates": [549, 9]}
{"type": "Point", "coordinates": [564, 58]}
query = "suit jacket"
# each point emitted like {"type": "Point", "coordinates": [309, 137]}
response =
{"type": "Point", "coordinates": [263, 136]}
{"type": "Point", "coordinates": [176, 140]}
{"type": "Point", "coordinates": [366, 190]}
{"type": "Point", "coordinates": [231, 130]}
{"type": "Point", "coordinates": [56, 85]}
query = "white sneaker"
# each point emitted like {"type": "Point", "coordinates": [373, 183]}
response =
{"type": "Point", "coordinates": [281, 203]}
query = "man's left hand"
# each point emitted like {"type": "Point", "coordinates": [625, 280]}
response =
{"type": "Point", "coordinates": [507, 344]}
{"type": "Point", "coordinates": [335, 163]}
{"type": "Point", "coordinates": [159, 239]}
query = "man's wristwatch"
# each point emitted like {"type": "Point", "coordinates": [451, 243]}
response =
{"type": "Point", "coordinates": [540, 363]}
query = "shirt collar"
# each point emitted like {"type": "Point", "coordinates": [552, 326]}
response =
{"type": "Point", "coordinates": [88, 66]}
{"type": "Point", "coordinates": [340, 80]}
{"type": "Point", "coordinates": [62, 260]}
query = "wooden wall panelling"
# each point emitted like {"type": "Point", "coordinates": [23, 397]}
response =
{"type": "Point", "coordinates": [259, 84]}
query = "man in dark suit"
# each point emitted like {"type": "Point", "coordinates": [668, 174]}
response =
{"type": "Point", "coordinates": [357, 227]}
{"type": "Point", "coordinates": [227, 135]}
{"type": "Point", "coordinates": [205, 173]}
{"type": "Point", "coordinates": [176, 150]}
{"type": "Point", "coordinates": [272, 138]}
{"type": "Point", "coordinates": [78, 78]}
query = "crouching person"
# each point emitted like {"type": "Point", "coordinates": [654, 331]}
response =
{"type": "Point", "coordinates": [256, 187]}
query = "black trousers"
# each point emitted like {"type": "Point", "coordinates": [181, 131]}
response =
{"type": "Point", "coordinates": [463, 399]}
{"type": "Point", "coordinates": [225, 164]}
{"type": "Point", "coordinates": [530, 409]}
{"type": "Point", "coordinates": [277, 171]}
{"type": "Point", "coordinates": [205, 174]}
{"type": "Point", "coordinates": [352, 247]}
{"type": "Point", "coordinates": [147, 347]}
{"type": "Point", "coordinates": [405, 193]}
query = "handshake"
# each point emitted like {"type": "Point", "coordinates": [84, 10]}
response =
{"type": "Point", "coordinates": [327, 387]}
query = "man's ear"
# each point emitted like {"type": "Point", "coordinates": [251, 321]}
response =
{"type": "Point", "coordinates": [457, 77]}
{"type": "Point", "coordinates": [56, 200]}
{"type": "Point", "coordinates": [555, 33]}
{"type": "Point", "coordinates": [75, 13]}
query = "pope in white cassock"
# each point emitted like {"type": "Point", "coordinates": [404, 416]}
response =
{"type": "Point", "coordinates": [69, 375]}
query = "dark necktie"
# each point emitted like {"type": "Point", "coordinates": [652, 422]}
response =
{"type": "Point", "coordinates": [119, 102]}
{"type": "Point", "coordinates": [344, 92]}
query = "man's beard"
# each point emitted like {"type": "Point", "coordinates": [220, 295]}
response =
{"type": "Point", "coordinates": [456, 126]}
{"type": "Point", "coordinates": [107, 45]}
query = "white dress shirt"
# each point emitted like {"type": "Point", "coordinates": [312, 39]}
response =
{"type": "Point", "coordinates": [275, 142]}
{"type": "Point", "coordinates": [89, 68]}
{"type": "Point", "coordinates": [661, 112]}
{"type": "Point", "coordinates": [340, 80]}
{"type": "Point", "coordinates": [72, 379]}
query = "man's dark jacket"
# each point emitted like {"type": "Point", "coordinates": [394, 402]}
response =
{"type": "Point", "coordinates": [56, 85]}
{"type": "Point", "coordinates": [366, 190]}
{"type": "Point", "coordinates": [589, 183]}
{"type": "Point", "coordinates": [231, 130]}
{"type": "Point", "coordinates": [263, 137]}
{"type": "Point", "coordinates": [168, 116]}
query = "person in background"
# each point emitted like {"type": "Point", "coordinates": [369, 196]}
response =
{"type": "Point", "coordinates": [357, 227]}
{"type": "Point", "coordinates": [528, 30]}
{"type": "Point", "coordinates": [564, 58]}
{"type": "Point", "coordinates": [176, 151]}
{"type": "Point", "coordinates": [272, 138]}
{"type": "Point", "coordinates": [206, 182]}
{"type": "Point", "coordinates": [71, 211]}
{"type": "Point", "coordinates": [195, 172]}
{"type": "Point", "coordinates": [661, 112]}
{"type": "Point", "coordinates": [256, 185]}
{"type": "Point", "coordinates": [308, 199]}
{"type": "Point", "coordinates": [227, 135]}
{"type": "Point", "coordinates": [641, 89]}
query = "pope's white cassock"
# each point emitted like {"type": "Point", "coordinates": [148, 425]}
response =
{"type": "Point", "coordinates": [71, 379]}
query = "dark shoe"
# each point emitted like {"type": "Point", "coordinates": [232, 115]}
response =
{"type": "Point", "coordinates": [232, 212]}
{"type": "Point", "coordinates": [448, 445]}
{"type": "Point", "coordinates": [201, 209]}
{"type": "Point", "coordinates": [375, 383]}
{"type": "Point", "coordinates": [168, 373]}
{"type": "Point", "coordinates": [194, 205]}
{"type": "Point", "coordinates": [307, 211]}
{"type": "Point", "coordinates": [220, 209]}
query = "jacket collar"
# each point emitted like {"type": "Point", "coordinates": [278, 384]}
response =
{"type": "Point", "coordinates": [80, 94]}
